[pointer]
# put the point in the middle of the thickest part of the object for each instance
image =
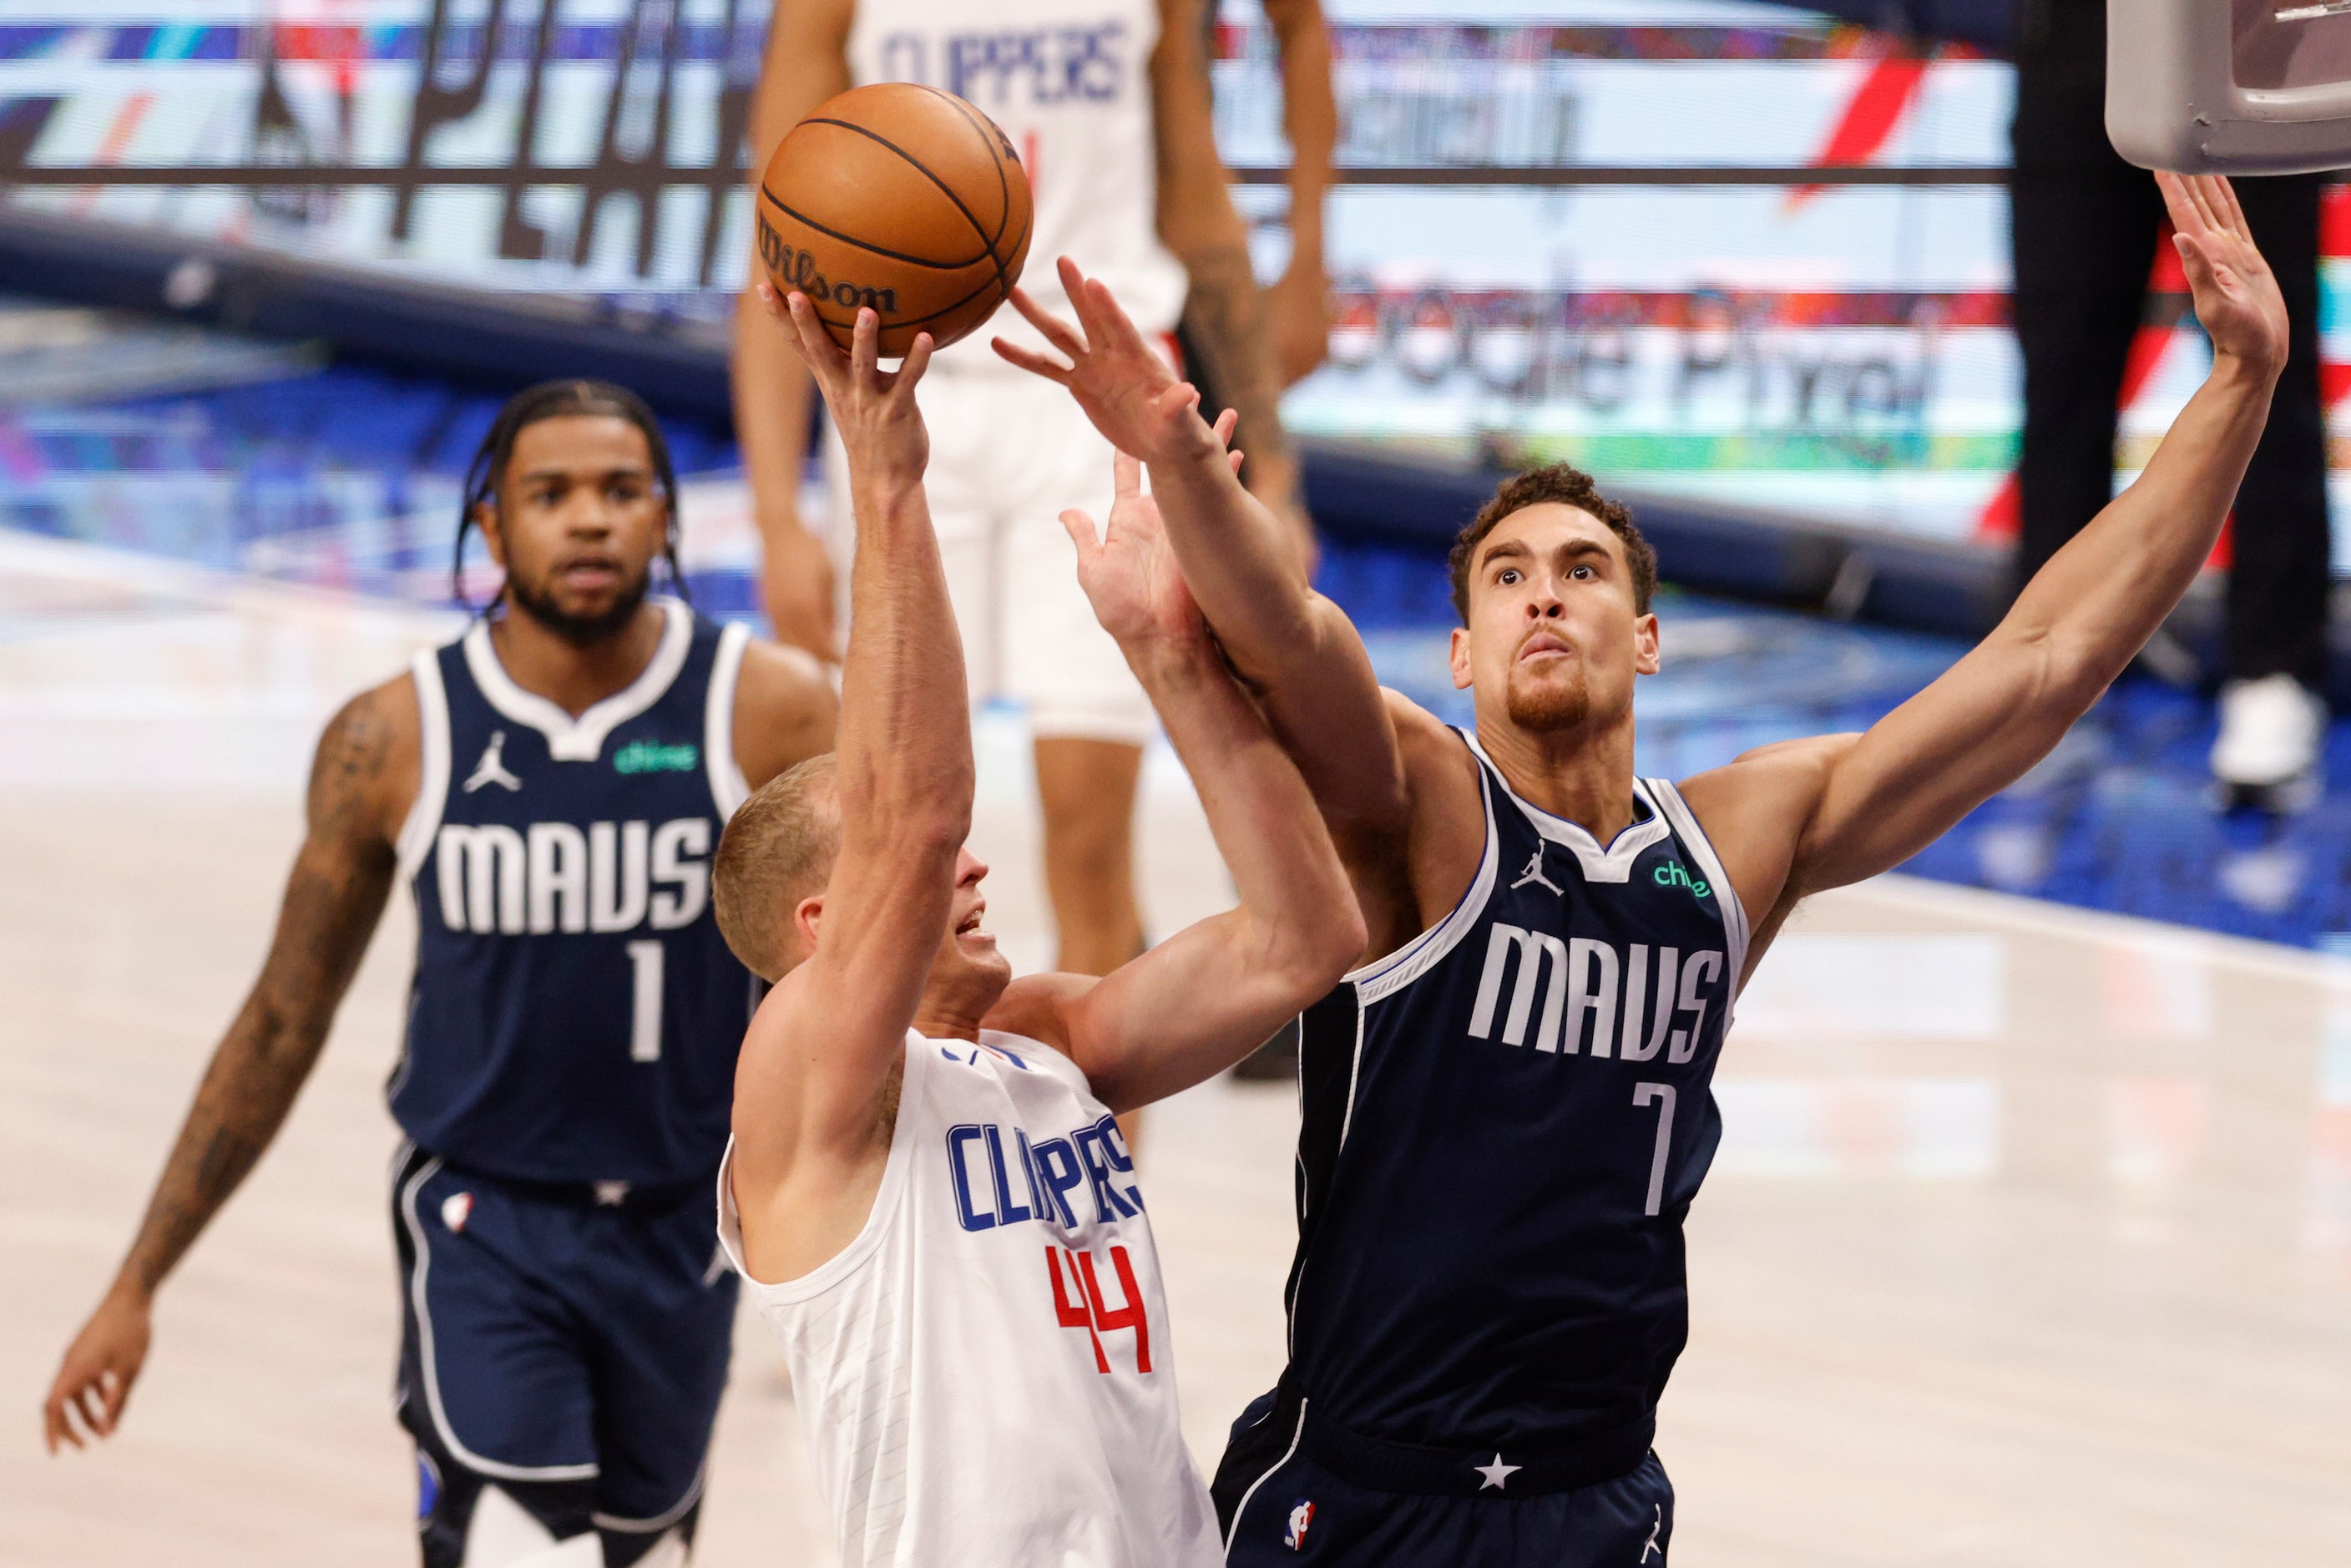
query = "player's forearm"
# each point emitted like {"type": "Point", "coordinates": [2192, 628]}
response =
{"type": "Point", "coordinates": [1293, 889]}
{"type": "Point", "coordinates": [772, 394]}
{"type": "Point", "coordinates": [242, 1101]}
{"type": "Point", "coordinates": [2096, 602]}
{"type": "Point", "coordinates": [1238, 559]}
{"type": "Point", "coordinates": [904, 735]}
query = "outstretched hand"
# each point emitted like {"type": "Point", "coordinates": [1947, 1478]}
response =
{"type": "Point", "coordinates": [1123, 384]}
{"type": "Point", "coordinates": [2237, 298]}
{"type": "Point", "coordinates": [873, 409]}
{"type": "Point", "coordinates": [1129, 572]}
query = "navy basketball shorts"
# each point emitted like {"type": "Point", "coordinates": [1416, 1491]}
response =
{"type": "Point", "coordinates": [562, 1354]}
{"type": "Point", "coordinates": [1279, 1504]}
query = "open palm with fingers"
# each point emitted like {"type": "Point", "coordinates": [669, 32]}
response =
{"type": "Point", "coordinates": [1129, 571]}
{"type": "Point", "coordinates": [2237, 298]}
{"type": "Point", "coordinates": [1125, 387]}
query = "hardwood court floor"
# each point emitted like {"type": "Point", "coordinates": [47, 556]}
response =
{"type": "Point", "coordinates": [2030, 1242]}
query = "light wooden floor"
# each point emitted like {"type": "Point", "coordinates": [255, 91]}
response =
{"type": "Point", "coordinates": [2030, 1242]}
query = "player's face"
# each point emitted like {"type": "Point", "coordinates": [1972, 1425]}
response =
{"type": "Point", "coordinates": [580, 518]}
{"type": "Point", "coordinates": [1553, 640]}
{"type": "Point", "coordinates": [968, 959]}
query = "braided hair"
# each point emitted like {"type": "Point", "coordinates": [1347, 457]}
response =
{"type": "Point", "coordinates": [559, 400]}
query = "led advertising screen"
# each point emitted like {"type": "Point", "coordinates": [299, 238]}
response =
{"type": "Point", "coordinates": [1728, 252]}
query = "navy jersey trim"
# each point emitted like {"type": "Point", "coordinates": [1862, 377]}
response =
{"type": "Point", "coordinates": [415, 840]}
{"type": "Point", "coordinates": [1386, 977]}
{"type": "Point", "coordinates": [1734, 931]}
{"type": "Point", "coordinates": [582, 739]}
{"type": "Point", "coordinates": [728, 789]}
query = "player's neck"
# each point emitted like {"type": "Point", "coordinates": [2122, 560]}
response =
{"type": "Point", "coordinates": [1583, 775]}
{"type": "Point", "coordinates": [953, 1004]}
{"type": "Point", "coordinates": [573, 678]}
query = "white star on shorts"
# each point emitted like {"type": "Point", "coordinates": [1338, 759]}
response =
{"type": "Point", "coordinates": [1496, 1473]}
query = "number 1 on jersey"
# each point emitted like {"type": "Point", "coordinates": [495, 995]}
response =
{"type": "Point", "coordinates": [645, 1009]}
{"type": "Point", "coordinates": [1642, 1094]}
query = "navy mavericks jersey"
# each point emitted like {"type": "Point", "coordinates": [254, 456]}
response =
{"type": "Point", "coordinates": [575, 1014]}
{"type": "Point", "coordinates": [1505, 1122]}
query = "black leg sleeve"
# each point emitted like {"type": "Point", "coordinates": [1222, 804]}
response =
{"type": "Point", "coordinates": [2279, 578]}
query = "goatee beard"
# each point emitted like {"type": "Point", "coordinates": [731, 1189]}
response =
{"type": "Point", "coordinates": [1547, 709]}
{"type": "Point", "coordinates": [579, 631]}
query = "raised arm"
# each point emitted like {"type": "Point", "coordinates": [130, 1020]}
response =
{"type": "Point", "coordinates": [1204, 999]}
{"type": "Point", "coordinates": [365, 774]}
{"type": "Point", "coordinates": [1864, 806]}
{"type": "Point", "coordinates": [818, 1064]}
{"type": "Point", "coordinates": [806, 62]}
{"type": "Point", "coordinates": [1296, 650]}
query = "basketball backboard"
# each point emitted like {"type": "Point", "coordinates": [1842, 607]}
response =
{"type": "Point", "coordinates": [2230, 87]}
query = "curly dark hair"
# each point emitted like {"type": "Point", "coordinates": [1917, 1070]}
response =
{"type": "Point", "coordinates": [1570, 487]}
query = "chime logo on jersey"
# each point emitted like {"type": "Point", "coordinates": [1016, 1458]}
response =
{"type": "Point", "coordinates": [1584, 975]}
{"type": "Point", "coordinates": [550, 876]}
{"type": "Point", "coordinates": [982, 1163]}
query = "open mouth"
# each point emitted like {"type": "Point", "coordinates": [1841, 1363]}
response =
{"type": "Point", "coordinates": [969, 924]}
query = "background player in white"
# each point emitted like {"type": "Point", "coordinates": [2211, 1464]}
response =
{"type": "Point", "coordinates": [1108, 102]}
{"type": "Point", "coordinates": [1556, 631]}
{"type": "Point", "coordinates": [562, 1103]}
{"type": "Point", "coordinates": [925, 1172]}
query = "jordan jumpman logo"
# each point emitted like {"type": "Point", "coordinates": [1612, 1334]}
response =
{"type": "Point", "coordinates": [1651, 1544]}
{"type": "Point", "coordinates": [1534, 873]}
{"type": "Point", "coordinates": [492, 768]}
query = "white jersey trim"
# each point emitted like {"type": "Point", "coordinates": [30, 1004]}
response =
{"type": "Point", "coordinates": [1242, 1507]}
{"type": "Point", "coordinates": [582, 739]}
{"type": "Point", "coordinates": [1613, 863]}
{"type": "Point", "coordinates": [837, 1269]}
{"type": "Point", "coordinates": [659, 1522]}
{"type": "Point", "coordinates": [728, 785]}
{"type": "Point", "coordinates": [1734, 913]}
{"type": "Point", "coordinates": [415, 840]}
{"type": "Point", "coordinates": [431, 1377]}
{"type": "Point", "coordinates": [1385, 977]}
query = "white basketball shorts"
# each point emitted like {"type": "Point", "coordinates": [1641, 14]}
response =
{"type": "Point", "coordinates": [1010, 453]}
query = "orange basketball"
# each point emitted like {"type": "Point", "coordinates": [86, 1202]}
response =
{"type": "Point", "coordinates": [899, 197]}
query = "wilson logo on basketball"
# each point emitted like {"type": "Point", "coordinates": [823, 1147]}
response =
{"type": "Point", "coordinates": [798, 270]}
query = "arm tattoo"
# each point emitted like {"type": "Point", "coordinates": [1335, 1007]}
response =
{"type": "Point", "coordinates": [333, 899]}
{"type": "Point", "coordinates": [1225, 327]}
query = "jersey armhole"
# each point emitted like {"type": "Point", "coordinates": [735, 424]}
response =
{"type": "Point", "coordinates": [415, 840]}
{"type": "Point", "coordinates": [728, 789]}
{"type": "Point", "coordinates": [1685, 823]}
{"type": "Point", "coordinates": [889, 1197]}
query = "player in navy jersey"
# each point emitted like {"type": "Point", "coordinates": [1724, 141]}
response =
{"type": "Point", "coordinates": [550, 787]}
{"type": "Point", "coordinates": [1507, 1108]}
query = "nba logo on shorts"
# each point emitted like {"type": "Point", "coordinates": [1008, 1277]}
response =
{"type": "Point", "coordinates": [1301, 1514]}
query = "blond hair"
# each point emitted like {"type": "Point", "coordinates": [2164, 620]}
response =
{"type": "Point", "coordinates": [777, 850]}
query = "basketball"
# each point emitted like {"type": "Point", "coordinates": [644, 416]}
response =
{"type": "Point", "coordinates": [899, 197]}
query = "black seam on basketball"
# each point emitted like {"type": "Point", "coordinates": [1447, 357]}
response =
{"type": "Point", "coordinates": [990, 138]}
{"type": "Point", "coordinates": [1026, 230]}
{"type": "Point", "coordinates": [944, 189]}
{"type": "Point", "coordinates": [800, 217]}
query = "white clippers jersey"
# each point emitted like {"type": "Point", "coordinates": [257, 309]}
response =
{"type": "Point", "coordinates": [1069, 81]}
{"type": "Point", "coordinates": [984, 1374]}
